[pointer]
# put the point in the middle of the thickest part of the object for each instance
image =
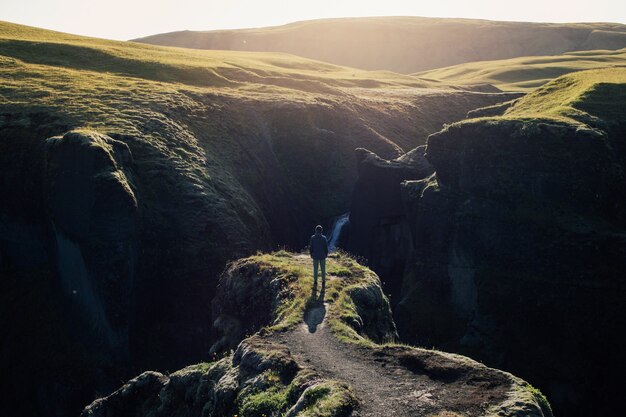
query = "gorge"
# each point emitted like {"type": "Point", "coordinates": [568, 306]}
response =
{"type": "Point", "coordinates": [138, 180]}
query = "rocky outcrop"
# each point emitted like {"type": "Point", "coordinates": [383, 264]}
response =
{"type": "Point", "coordinates": [272, 371]}
{"type": "Point", "coordinates": [259, 378]}
{"type": "Point", "coordinates": [258, 375]}
{"type": "Point", "coordinates": [517, 241]}
{"type": "Point", "coordinates": [250, 295]}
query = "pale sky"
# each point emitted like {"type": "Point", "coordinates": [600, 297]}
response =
{"type": "Point", "coordinates": [127, 19]}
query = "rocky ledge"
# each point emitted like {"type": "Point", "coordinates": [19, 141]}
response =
{"type": "Point", "coordinates": [266, 300]}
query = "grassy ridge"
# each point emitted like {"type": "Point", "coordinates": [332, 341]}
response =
{"type": "Point", "coordinates": [192, 67]}
{"type": "Point", "coordinates": [406, 44]}
{"type": "Point", "coordinates": [578, 97]}
{"type": "Point", "coordinates": [526, 73]}
{"type": "Point", "coordinates": [599, 92]}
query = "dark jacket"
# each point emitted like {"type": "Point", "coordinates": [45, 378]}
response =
{"type": "Point", "coordinates": [318, 246]}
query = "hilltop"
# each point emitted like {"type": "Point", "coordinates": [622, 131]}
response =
{"type": "Point", "coordinates": [406, 44]}
{"type": "Point", "coordinates": [132, 173]}
{"type": "Point", "coordinates": [524, 73]}
{"type": "Point", "coordinates": [309, 355]}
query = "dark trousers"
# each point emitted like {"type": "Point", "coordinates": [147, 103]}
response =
{"type": "Point", "coordinates": [316, 264]}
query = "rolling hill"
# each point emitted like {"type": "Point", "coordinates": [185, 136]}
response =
{"type": "Point", "coordinates": [132, 173]}
{"type": "Point", "coordinates": [406, 44]}
{"type": "Point", "coordinates": [524, 73]}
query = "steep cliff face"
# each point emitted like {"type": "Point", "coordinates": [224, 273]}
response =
{"type": "Point", "coordinates": [92, 213]}
{"type": "Point", "coordinates": [525, 273]}
{"type": "Point", "coordinates": [518, 242]}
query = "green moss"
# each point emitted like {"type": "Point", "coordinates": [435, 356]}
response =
{"type": "Point", "coordinates": [525, 73]}
{"type": "Point", "coordinates": [268, 403]}
{"type": "Point", "coordinates": [541, 399]}
{"type": "Point", "coordinates": [271, 398]}
{"type": "Point", "coordinates": [328, 399]}
{"type": "Point", "coordinates": [570, 97]}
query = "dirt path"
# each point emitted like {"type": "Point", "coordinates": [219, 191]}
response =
{"type": "Point", "coordinates": [382, 388]}
{"type": "Point", "coordinates": [385, 382]}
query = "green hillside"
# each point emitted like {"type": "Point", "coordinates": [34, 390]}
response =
{"type": "Point", "coordinates": [525, 73]}
{"type": "Point", "coordinates": [184, 66]}
{"type": "Point", "coordinates": [168, 93]}
{"type": "Point", "coordinates": [406, 44]}
{"type": "Point", "coordinates": [584, 97]}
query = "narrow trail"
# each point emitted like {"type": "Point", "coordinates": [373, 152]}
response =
{"type": "Point", "coordinates": [383, 381]}
{"type": "Point", "coordinates": [383, 386]}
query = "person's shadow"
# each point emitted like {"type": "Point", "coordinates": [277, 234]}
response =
{"type": "Point", "coordinates": [315, 311]}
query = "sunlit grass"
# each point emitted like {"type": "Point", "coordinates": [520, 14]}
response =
{"type": "Point", "coordinates": [344, 274]}
{"type": "Point", "coordinates": [599, 92]}
{"type": "Point", "coordinates": [585, 99]}
{"type": "Point", "coordinates": [232, 69]}
{"type": "Point", "coordinates": [525, 73]}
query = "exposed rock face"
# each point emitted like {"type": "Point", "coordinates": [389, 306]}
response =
{"type": "Point", "coordinates": [378, 230]}
{"type": "Point", "coordinates": [517, 244]}
{"type": "Point", "coordinates": [246, 299]}
{"type": "Point", "coordinates": [92, 212]}
{"type": "Point", "coordinates": [519, 253]}
{"type": "Point", "coordinates": [227, 387]}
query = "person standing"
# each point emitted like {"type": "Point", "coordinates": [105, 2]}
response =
{"type": "Point", "coordinates": [318, 247]}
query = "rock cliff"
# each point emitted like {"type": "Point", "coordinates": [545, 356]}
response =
{"type": "Point", "coordinates": [517, 242]}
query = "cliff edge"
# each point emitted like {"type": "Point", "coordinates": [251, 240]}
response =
{"type": "Point", "coordinates": [310, 354]}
